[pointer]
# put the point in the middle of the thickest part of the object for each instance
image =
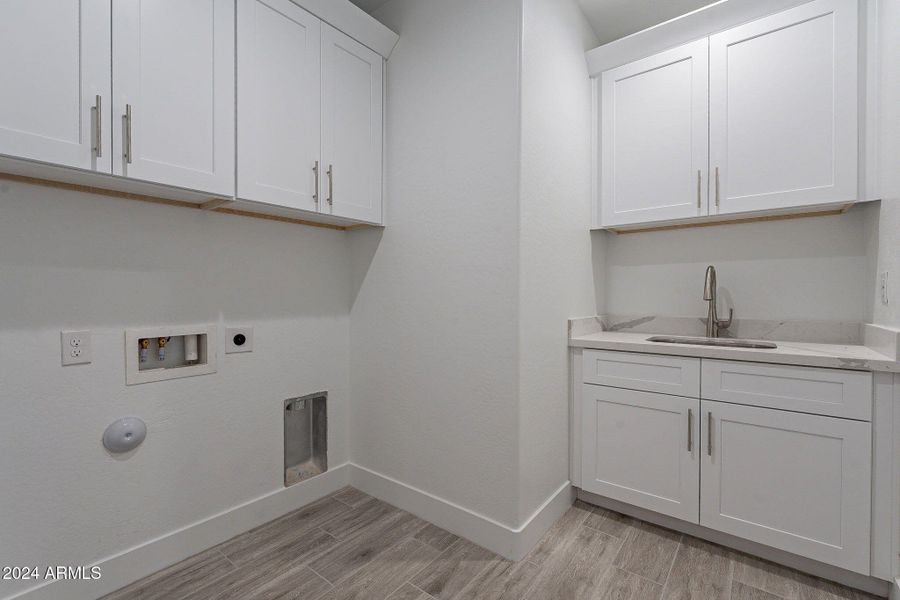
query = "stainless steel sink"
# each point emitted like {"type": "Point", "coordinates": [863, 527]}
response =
{"type": "Point", "coordinates": [703, 341]}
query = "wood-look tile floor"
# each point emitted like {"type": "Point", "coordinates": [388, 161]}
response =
{"type": "Point", "coordinates": [352, 546]}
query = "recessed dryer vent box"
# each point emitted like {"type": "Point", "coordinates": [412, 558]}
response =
{"type": "Point", "coordinates": [305, 437]}
{"type": "Point", "coordinates": [161, 353]}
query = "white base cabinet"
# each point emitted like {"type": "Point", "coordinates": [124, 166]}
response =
{"type": "Point", "coordinates": [797, 482]}
{"type": "Point", "coordinates": [642, 448]}
{"type": "Point", "coordinates": [791, 480]}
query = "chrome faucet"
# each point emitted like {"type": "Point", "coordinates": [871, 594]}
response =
{"type": "Point", "coordinates": [713, 323]}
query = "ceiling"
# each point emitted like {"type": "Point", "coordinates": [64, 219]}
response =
{"type": "Point", "coordinates": [369, 5]}
{"type": "Point", "coordinates": [611, 19]}
{"type": "Point", "coordinates": [614, 19]}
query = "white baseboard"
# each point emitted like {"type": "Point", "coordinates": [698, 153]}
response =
{"type": "Point", "coordinates": [147, 558]}
{"type": "Point", "coordinates": [509, 542]}
{"type": "Point", "coordinates": [138, 562]}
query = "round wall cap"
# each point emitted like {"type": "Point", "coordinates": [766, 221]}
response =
{"type": "Point", "coordinates": [124, 435]}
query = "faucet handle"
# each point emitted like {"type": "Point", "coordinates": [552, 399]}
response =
{"type": "Point", "coordinates": [725, 324]}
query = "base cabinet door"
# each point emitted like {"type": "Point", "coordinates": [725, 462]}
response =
{"type": "Point", "coordinates": [173, 110]}
{"type": "Point", "coordinates": [796, 482]}
{"type": "Point", "coordinates": [642, 448]}
{"type": "Point", "coordinates": [352, 104]}
{"type": "Point", "coordinates": [55, 90]}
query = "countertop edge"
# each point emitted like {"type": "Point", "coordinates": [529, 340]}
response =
{"type": "Point", "coordinates": [782, 355]}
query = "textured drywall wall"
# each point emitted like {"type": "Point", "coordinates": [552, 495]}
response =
{"type": "Point", "coordinates": [888, 250]}
{"type": "Point", "coordinates": [76, 261]}
{"type": "Point", "coordinates": [556, 278]}
{"type": "Point", "coordinates": [434, 326]}
{"type": "Point", "coordinates": [815, 268]}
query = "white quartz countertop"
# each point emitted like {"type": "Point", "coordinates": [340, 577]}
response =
{"type": "Point", "coordinates": [855, 357]}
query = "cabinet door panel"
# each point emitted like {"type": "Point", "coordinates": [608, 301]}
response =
{"type": "Point", "coordinates": [642, 448]}
{"type": "Point", "coordinates": [173, 63]}
{"type": "Point", "coordinates": [353, 105]}
{"type": "Point", "coordinates": [54, 61]}
{"type": "Point", "coordinates": [783, 109]}
{"type": "Point", "coordinates": [279, 103]}
{"type": "Point", "coordinates": [655, 138]}
{"type": "Point", "coordinates": [797, 482]}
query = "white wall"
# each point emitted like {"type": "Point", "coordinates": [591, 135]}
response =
{"type": "Point", "coordinates": [814, 268]}
{"type": "Point", "coordinates": [888, 251]}
{"type": "Point", "coordinates": [76, 261]}
{"type": "Point", "coordinates": [434, 326]}
{"type": "Point", "coordinates": [556, 278]}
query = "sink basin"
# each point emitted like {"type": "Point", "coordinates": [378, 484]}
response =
{"type": "Point", "coordinates": [703, 341]}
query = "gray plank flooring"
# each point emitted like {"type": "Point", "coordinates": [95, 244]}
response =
{"type": "Point", "coordinates": [351, 546]}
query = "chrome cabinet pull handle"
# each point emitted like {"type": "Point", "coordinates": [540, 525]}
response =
{"type": "Point", "coordinates": [690, 430]}
{"type": "Point", "coordinates": [98, 126]}
{"type": "Point", "coordinates": [717, 188]}
{"type": "Point", "coordinates": [330, 185]}
{"type": "Point", "coordinates": [128, 133]}
{"type": "Point", "coordinates": [316, 191]}
{"type": "Point", "coordinates": [709, 430]}
{"type": "Point", "coordinates": [699, 186]}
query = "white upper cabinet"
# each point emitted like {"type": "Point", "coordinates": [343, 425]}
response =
{"type": "Point", "coordinates": [783, 109]}
{"type": "Point", "coordinates": [259, 102]}
{"type": "Point", "coordinates": [310, 113]}
{"type": "Point", "coordinates": [654, 144]}
{"type": "Point", "coordinates": [279, 103]}
{"type": "Point", "coordinates": [173, 80]}
{"type": "Point", "coordinates": [761, 117]}
{"type": "Point", "coordinates": [353, 83]}
{"type": "Point", "coordinates": [55, 91]}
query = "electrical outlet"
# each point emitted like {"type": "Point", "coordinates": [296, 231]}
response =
{"type": "Point", "coordinates": [885, 287]}
{"type": "Point", "coordinates": [238, 339]}
{"type": "Point", "coordinates": [76, 347]}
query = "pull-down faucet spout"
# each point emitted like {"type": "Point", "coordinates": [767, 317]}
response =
{"type": "Point", "coordinates": [713, 323]}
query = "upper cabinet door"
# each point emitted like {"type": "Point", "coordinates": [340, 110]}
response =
{"type": "Point", "coordinates": [279, 103]}
{"type": "Point", "coordinates": [783, 109]}
{"type": "Point", "coordinates": [173, 73]}
{"type": "Point", "coordinates": [655, 138]}
{"type": "Point", "coordinates": [352, 146]}
{"type": "Point", "coordinates": [55, 91]}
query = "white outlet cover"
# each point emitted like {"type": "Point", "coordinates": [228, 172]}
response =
{"type": "Point", "coordinates": [233, 348]}
{"type": "Point", "coordinates": [76, 347]}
